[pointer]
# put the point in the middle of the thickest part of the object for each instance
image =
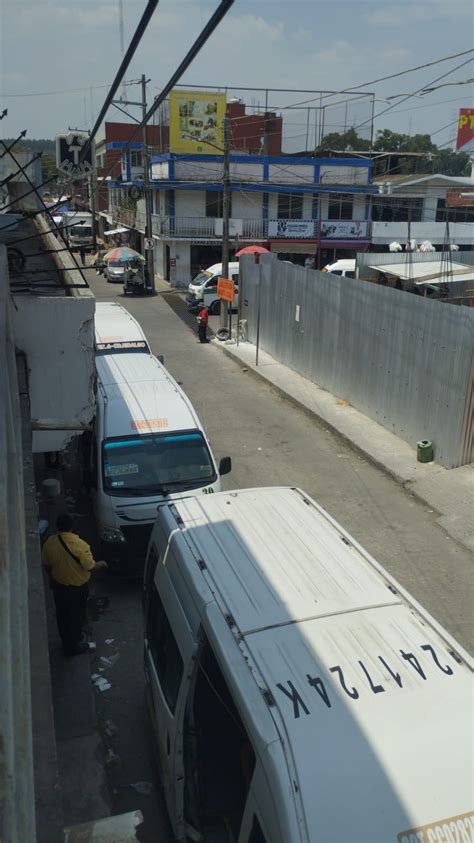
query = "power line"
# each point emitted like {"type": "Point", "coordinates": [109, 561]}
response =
{"type": "Point", "coordinates": [131, 50]}
{"type": "Point", "coordinates": [393, 75]}
{"type": "Point", "coordinates": [408, 96]}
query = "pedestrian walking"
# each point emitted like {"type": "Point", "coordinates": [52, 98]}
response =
{"type": "Point", "coordinates": [203, 321]}
{"type": "Point", "coordinates": [82, 253]}
{"type": "Point", "coordinates": [69, 562]}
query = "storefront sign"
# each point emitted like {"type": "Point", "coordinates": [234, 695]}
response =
{"type": "Point", "coordinates": [196, 122]}
{"type": "Point", "coordinates": [344, 229]}
{"type": "Point", "coordinates": [301, 229]}
{"type": "Point", "coordinates": [465, 137]}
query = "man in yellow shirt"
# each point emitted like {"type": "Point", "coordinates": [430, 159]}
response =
{"type": "Point", "coordinates": [69, 561]}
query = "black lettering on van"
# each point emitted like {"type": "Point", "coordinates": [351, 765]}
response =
{"type": "Point", "coordinates": [351, 692]}
{"type": "Point", "coordinates": [446, 669]}
{"type": "Point", "coordinates": [377, 689]}
{"type": "Point", "coordinates": [295, 698]}
{"type": "Point", "coordinates": [412, 659]}
{"type": "Point", "coordinates": [318, 685]}
{"type": "Point", "coordinates": [396, 676]}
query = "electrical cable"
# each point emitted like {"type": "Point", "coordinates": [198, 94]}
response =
{"type": "Point", "coordinates": [131, 49]}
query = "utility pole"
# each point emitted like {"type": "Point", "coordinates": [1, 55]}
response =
{"type": "Point", "coordinates": [92, 190]}
{"type": "Point", "coordinates": [149, 253]}
{"type": "Point", "coordinates": [225, 213]}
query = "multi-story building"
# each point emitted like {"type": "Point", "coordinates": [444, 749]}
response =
{"type": "Point", "coordinates": [294, 206]}
{"type": "Point", "coordinates": [419, 208]}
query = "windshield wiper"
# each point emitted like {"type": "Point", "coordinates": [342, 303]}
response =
{"type": "Point", "coordinates": [152, 488]}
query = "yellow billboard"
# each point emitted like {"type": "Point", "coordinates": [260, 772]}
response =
{"type": "Point", "coordinates": [196, 122]}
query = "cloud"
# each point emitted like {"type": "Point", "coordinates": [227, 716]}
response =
{"type": "Point", "coordinates": [407, 13]}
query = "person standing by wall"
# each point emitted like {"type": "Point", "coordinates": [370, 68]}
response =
{"type": "Point", "coordinates": [82, 254]}
{"type": "Point", "coordinates": [203, 321]}
{"type": "Point", "coordinates": [69, 562]}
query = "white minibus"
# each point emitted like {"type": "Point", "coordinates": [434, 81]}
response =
{"type": "Point", "coordinates": [147, 446]}
{"type": "Point", "coordinates": [297, 692]}
{"type": "Point", "coordinates": [116, 331]}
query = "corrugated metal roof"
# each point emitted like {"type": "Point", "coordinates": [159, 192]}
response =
{"type": "Point", "coordinates": [372, 707]}
{"type": "Point", "coordinates": [425, 270]}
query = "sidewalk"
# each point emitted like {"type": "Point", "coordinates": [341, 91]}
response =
{"type": "Point", "coordinates": [449, 492]}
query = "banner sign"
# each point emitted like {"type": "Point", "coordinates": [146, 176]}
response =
{"type": "Point", "coordinates": [225, 289]}
{"type": "Point", "coordinates": [196, 122]}
{"type": "Point", "coordinates": [344, 229]}
{"type": "Point", "coordinates": [465, 138]}
{"type": "Point", "coordinates": [297, 229]}
{"type": "Point", "coordinates": [69, 152]}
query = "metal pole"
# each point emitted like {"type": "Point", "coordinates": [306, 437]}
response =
{"type": "Point", "coordinates": [150, 260]}
{"type": "Point", "coordinates": [225, 212]}
{"type": "Point", "coordinates": [93, 188]}
{"type": "Point", "coordinates": [257, 341]}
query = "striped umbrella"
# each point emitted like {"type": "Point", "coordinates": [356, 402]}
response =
{"type": "Point", "coordinates": [122, 254]}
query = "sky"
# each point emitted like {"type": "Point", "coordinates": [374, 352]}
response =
{"type": "Point", "coordinates": [58, 59]}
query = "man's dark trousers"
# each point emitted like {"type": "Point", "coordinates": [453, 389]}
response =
{"type": "Point", "coordinates": [71, 601]}
{"type": "Point", "coordinates": [202, 333]}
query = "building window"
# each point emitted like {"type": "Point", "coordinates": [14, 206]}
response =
{"type": "Point", "coordinates": [396, 209]}
{"type": "Point", "coordinates": [136, 158]}
{"type": "Point", "coordinates": [215, 204]}
{"type": "Point", "coordinates": [290, 206]}
{"type": "Point", "coordinates": [164, 649]}
{"type": "Point", "coordinates": [340, 206]}
{"type": "Point", "coordinates": [444, 214]}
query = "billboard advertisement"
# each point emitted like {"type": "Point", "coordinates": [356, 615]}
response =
{"type": "Point", "coordinates": [196, 122]}
{"type": "Point", "coordinates": [465, 137]}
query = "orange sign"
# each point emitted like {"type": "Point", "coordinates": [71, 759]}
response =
{"type": "Point", "coordinates": [148, 424]}
{"type": "Point", "coordinates": [225, 289]}
{"type": "Point", "coordinates": [465, 138]}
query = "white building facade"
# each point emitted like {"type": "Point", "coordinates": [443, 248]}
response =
{"type": "Point", "coordinates": [418, 208]}
{"type": "Point", "coordinates": [293, 206]}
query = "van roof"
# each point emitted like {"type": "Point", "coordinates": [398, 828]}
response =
{"type": "Point", "coordinates": [142, 397]}
{"type": "Point", "coordinates": [344, 263]}
{"type": "Point", "coordinates": [217, 267]}
{"type": "Point", "coordinates": [115, 325]}
{"type": "Point", "coordinates": [365, 687]}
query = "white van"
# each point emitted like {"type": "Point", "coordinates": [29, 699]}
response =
{"type": "Point", "coordinates": [346, 268]}
{"type": "Point", "coordinates": [116, 331]}
{"type": "Point", "coordinates": [203, 288]}
{"type": "Point", "coordinates": [297, 692]}
{"type": "Point", "coordinates": [148, 446]}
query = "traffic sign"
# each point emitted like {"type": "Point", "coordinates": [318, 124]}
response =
{"type": "Point", "coordinates": [225, 289]}
{"type": "Point", "coordinates": [69, 149]}
{"type": "Point", "coordinates": [149, 243]}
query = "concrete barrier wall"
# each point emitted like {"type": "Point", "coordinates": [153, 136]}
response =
{"type": "Point", "coordinates": [404, 361]}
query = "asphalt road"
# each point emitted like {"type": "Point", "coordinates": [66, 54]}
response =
{"type": "Point", "coordinates": [271, 443]}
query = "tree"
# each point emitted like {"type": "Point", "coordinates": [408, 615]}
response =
{"type": "Point", "coordinates": [345, 142]}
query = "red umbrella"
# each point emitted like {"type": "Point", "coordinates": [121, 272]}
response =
{"type": "Point", "coordinates": [252, 250]}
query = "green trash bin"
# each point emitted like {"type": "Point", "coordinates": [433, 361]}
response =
{"type": "Point", "coordinates": [424, 450]}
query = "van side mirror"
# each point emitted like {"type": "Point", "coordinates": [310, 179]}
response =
{"type": "Point", "coordinates": [160, 359]}
{"type": "Point", "coordinates": [225, 466]}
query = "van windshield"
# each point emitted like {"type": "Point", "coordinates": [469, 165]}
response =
{"type": "Point", "coordinates": [81, 231]}
{"type": "Point", "coordinates": [201, 278]}
{"type": "Point", "coordinates": [156, 463]}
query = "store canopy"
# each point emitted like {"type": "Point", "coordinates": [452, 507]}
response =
{"type": "Point", "coordinates": [115, 231]}
{"type": "Point", "coordinates": [420, 271]}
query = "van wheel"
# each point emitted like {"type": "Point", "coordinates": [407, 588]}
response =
{"type": "Point", "coordinates": [215, 308]}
